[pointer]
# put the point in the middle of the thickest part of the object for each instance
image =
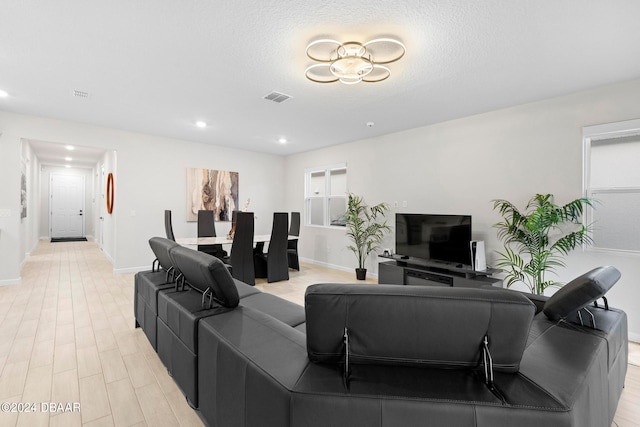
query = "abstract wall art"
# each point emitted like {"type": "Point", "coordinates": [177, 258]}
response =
{"type": "Point", "coordinates": [213, 190]}
{"type": "Point", "coordinates": [23, 190]}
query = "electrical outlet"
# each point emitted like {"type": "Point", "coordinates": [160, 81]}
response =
{"type": "Point", "coordinates": [395, 204]}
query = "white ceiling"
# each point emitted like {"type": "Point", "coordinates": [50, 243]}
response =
{"type": "Point", "coordinates": [54, 154]}
{"type": "Point", "coordinates": [157, 66]}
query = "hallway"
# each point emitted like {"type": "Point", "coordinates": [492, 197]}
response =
{"type": "Point", "coordinates": [67, 336]}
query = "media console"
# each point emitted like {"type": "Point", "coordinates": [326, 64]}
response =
{"type": "Point", "coordinates": [396, 270]}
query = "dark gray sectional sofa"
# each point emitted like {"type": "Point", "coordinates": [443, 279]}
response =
{"type": "Point", "coordinates": [383, 355]}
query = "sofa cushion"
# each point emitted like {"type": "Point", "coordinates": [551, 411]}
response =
{"type": "Point", "coordinates": [285, 311]}
{"type": "Point", "coordinates": [416, 325]}
{"type": "Point", "coordinates": [581, 292]}
{"type": "Point", "coordinates": [203, 271]}
{"type": "Point", "coordinates": [245, 290]}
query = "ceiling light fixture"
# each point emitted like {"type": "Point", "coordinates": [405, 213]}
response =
{"type": "Point", "coordinates": [70, 147]}
{"type": "Point", "coordinates": [201, 124]}
{"type": "Point", "coordinates": [3, 94]}
{"type": "Point", "coordinates": [352, 62]}
{"type": "Point", "coordinates": [68, 159]}
{"type": "Point", "coordinates": [282, 140]}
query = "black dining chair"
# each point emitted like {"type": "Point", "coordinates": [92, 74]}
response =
{"type": "Point", "coordinates": [274, 265]}
{"type": "Point", "coordinates": [292, 245]}
{"type": "Point", "coordinates": [168, 227]}
{"type": "Point", "coordinates": [207, 228]}
{"type": "Point", "coordinates": [241, 258]}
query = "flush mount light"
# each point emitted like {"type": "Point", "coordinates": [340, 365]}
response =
{"type": "Point", "coordinates": [68, 159]}
{"type": "Point", "coordinates": [352, 62]}
{"type": "Point", "coordinates": [282, 140]}
{"type": "Point", "coordinates": [70, 147]}
{"type": "Point", "coordinates": [201, 124]}
{"type": "Point", "coordinates": [3, 94]}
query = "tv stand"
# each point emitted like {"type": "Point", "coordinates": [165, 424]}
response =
{"type": "Point", "coordinates": [396, 270]}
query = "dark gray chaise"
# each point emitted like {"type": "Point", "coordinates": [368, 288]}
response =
{"type": "Point", "coordinates": [417, 355]}
{"type": "Point", "coordinates": [179, 303]}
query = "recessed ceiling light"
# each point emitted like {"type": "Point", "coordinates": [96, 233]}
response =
{"type": "Point", "coordinates": [67, 166]}
{"type": "Point", "coordinates": [282, 140]}
{"type": "Point", "coordinates": [70, 147]}
{"type": "Point", "coordinates": [201, 124]}
{"type": "Point", "coordinates": [68, 159]}
{"type": "Point", "coordinates": [3, 94]}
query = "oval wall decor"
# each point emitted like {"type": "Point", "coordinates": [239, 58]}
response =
{"type": "Point", "coordinates": [110, 193]}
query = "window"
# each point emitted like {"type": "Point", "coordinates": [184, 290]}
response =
{"type": "Point", "coordinates": [326, 195]}
{"type": "Point", "coordinates": [612, 179]}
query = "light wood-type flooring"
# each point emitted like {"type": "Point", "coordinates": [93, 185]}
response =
{"type": "Point", "coordinates": [67, 336]}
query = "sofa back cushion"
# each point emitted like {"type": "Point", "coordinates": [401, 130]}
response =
{"type": "Point", "coordinates": [161, 247]}
{"type": "Point", "coordinates": [203, 271]}
{"type": "Point", "coordinates": [416, 325]}
{"type": "Point", "coordinates": [580, 292]}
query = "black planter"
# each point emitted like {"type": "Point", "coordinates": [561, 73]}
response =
{"type": "Point", "coordinates": [361, 273]}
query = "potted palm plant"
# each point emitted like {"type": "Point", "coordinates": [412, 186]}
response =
{"type": "Point", "coordinates": [365, 229]}
{"type": "Point", "coordinates": [537, 239]}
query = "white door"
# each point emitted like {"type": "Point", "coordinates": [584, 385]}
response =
{"type": "Point", "coordinates": [67, 205]}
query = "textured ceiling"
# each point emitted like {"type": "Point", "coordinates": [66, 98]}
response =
{"type": "Point", "coordinates": [157, 66]}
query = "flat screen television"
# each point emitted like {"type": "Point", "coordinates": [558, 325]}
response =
{"type": "Point", "coordinates": [439, 238]}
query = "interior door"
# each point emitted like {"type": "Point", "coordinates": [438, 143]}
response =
{"type": "Point", "coordinates": [67, 205]}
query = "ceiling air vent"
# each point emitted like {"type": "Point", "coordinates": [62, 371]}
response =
{"type": "Point", "coordinates": [276, 97]}
{"type": "Point", "coordinates": [81, 94]}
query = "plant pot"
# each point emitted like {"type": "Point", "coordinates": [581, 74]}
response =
{"type": "Point", "coordinates": [361, 273]}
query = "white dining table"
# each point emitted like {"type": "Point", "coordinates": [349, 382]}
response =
{"type": "Point", "coordinates": [222, 240]}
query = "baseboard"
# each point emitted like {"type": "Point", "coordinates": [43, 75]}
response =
{"type": "Point", "coordinates": [11, 282]}
{"type": "Point", "coordinates": [130, 270]}
{"type": "Point", "coordinates": [108, 257]}
{"type": "Point", "coordinates": [335, 267]}
{"type": "Point", "coordinates": [634, 337]}
{"type": "Point", "coordinates": [28, 254]}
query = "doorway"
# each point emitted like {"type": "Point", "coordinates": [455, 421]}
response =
{"type": "Point", "coordinates": [66, 206]}
{"type": "Point", "coordinates": [101, 190]}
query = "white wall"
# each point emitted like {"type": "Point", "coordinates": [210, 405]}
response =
{"type": "Point", "coordinates": [108, 220]}
{"type": "Point", "coordinates": [29, 224]}
{"type": "Point", "coordinates": [11, 232]}
{"type": "Point", "coordinates": [150, 176]}
{"type": "Point", "coordinates": [459, 166]}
